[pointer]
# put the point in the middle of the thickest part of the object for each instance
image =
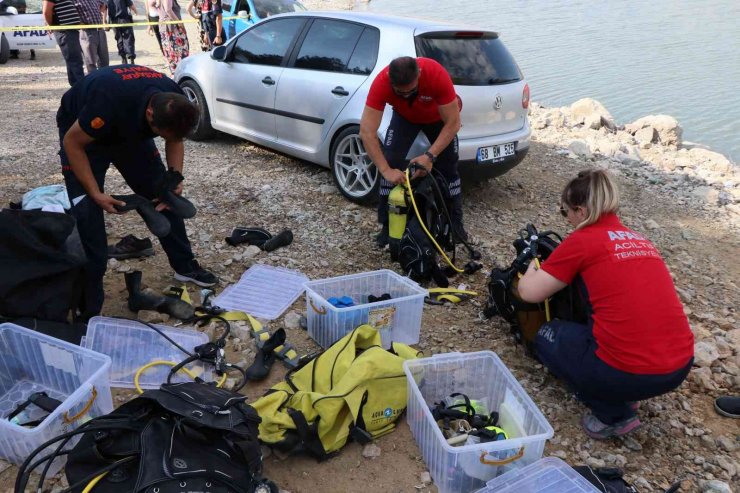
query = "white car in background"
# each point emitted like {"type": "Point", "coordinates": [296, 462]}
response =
{"type": "Point", "coordinates": [297, 83]}
{"type": "Point", "coordinates": [22, 13]}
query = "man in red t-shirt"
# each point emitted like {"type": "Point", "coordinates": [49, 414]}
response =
{"type": "Point", "coordinates": [423, 99]}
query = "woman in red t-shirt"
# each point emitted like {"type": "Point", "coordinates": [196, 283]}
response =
{"type": "Point", "coordinates": [638, 343]}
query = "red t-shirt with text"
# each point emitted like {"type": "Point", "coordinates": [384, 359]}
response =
{"type": "Point", "coordinates": [435, 90]}
{"type": "Point", "coordinates": [638, 321]}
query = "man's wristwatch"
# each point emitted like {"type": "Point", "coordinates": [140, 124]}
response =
{"type": "Point", "coordinates": [430, 156]}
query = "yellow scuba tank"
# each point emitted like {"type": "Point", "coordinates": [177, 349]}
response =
{"type": "Point", "coordinates": [398, 208]}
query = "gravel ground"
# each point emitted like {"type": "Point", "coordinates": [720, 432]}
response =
{"type": "Point", "coordinates": [236, 183]}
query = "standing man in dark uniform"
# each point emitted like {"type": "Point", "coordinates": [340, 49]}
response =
{"type": "Point", "coordinates": [423, 99]}
{"type": "Point", "coordinates": [119, 12]}
{"type": "Point", "coordinates": [112, 116]}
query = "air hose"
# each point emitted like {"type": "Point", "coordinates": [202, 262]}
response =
{"type": "Point", "coordinates": [423, 226]}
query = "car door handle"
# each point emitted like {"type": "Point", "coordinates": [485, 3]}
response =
{"type": "Point", "coordinates": [339, 91]}
{"type": "Point", "coordinates": [268, 81]}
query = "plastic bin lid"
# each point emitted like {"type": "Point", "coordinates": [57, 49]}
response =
{"type": "Point", "coordinates": [548, 475]}
{"type": "Point", "coordinates": [263, 291]}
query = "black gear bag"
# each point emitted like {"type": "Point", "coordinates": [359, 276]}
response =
{"type": "Point", "coordinates": [527, 318]}
{"type": "Point", "coordinates": [183, 437]}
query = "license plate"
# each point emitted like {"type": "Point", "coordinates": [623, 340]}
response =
{"type": "Point", "coordinates": [492, 154]}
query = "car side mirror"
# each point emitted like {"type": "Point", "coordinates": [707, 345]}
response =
{"type": "Point", "coordinates": [219, 53]}
{"type": "Point", "coordinates": [244, 15]}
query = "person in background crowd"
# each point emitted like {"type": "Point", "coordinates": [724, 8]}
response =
{"type": "Point", "coordinates": [64, 13]}
{"type": "Point", "coordinates": [210, 21]}
{"type": "Point", "coordinates": [152, 15]}
{"type": "Point", "coordinates": [119, 12]}
{"type": "Point", "coordinates": [93, 41]}
{"type": "Point", "coordinates": [637, 344]}
{"type": "Point", "coordinates": [195, 9]}
{"type": "Point", "coordinates": [174, 38]}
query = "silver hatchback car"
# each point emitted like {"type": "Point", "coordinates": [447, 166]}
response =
{"type": "Point", "coordinates": [297, 83]}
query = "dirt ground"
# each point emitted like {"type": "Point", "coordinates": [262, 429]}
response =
{"type": "Point", "coordinates": [236, 183]}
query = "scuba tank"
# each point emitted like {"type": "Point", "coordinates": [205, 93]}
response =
{"type": "Point", "coordinates": [398, 208]}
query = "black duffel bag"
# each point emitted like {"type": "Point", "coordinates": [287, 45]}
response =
{"type": "Point", "coordinates": [183, 437]}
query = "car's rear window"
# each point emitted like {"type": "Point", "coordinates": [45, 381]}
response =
{"type": "Point", "coordinates": [471, 58]}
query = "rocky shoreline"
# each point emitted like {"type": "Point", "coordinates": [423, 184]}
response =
{"type": "Point", "coordinates": [586, 130]}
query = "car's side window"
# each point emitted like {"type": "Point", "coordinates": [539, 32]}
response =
{"type": "Point", "coordinates": [226, 6]}
{"type": "Point", "coordinates": [266, 43]}
{"type": "Point", "coordinates": [328, 45]}
{"type": "Point", "coordinates": [365, 55]}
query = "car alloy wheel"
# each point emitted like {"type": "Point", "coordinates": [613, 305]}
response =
{"type": "Point", "coordinates": [354, 172]}
{"type": "Point", "coordinates": [203, 130]}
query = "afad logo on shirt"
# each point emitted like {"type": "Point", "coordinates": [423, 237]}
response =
{"type": "Point", "coordinates": [97, 123]}
{"type": "Point", "coordinates": [628, 245]}
{"type": "Point", "coordinates": [137, 72]}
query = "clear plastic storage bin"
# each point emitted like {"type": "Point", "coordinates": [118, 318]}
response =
{"type": "Point", "coordinates": [397, 319]}
{"type": "Point", "coordinates": [131, 345]}
{"type": "Point", "coordinates": [32, 362]}
{"type": "Point", "coordinates": [548, 475]}
{"type": "Point", "coordinates": [482, 377]}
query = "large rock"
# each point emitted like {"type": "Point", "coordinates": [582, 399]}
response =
{"type": "Point", "coordinates": [646, 136]}
{"type": "Point", "coordinates": [715, 486]}
{"type": "Point", "coordinates": [668, 129]}
{"type": "Point", "coordinates": [705, 353]}
{"type": "Point", "coordinates": [703, 378]}
{"type": "Point", "coordinates": [580, 149]}
{"type": "Point", "coordinates": [711, 161]}
{"type": "Point", "coordinates": [591, 114]}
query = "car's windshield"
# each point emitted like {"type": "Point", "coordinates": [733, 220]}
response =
{"type": "Point", "coordinates": [471, 58]}
{"type": "Point", "coordinates": [266, 8]}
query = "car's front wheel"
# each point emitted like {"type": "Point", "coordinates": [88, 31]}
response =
{"type": "Point", "coordinates": [203, 130]}
{"type": "Point", "coordinates": [4, 49]}
{"type": "Point", "coordinates": [354, 173]}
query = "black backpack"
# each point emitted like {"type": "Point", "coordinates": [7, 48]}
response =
{"type": "Point", "coordinates": [526, 318]}
{"type": "Point", "coordinates": [42, 262]}
{"type": "Point", "coordinates": [417, 253]}
{"type": "Point", "coordinates": [183, 437]}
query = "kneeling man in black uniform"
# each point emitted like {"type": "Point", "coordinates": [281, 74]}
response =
{"type": "Point", "coordinates": [112, 116]}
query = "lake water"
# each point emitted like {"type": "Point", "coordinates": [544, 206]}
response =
{"type": "Point", "coordinates": [637, 57]}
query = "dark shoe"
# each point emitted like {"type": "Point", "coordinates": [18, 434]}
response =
{"type": "Point", "coordinates": [33, 55]}
{"type": "Point", "coordinates": [381, 239]}
{"type": "Point", "coordinates": [123, 60]}
{"type": "Point", "coordinates": [138, 300]}
{"type": "Point", "coordinates": [598, 430]}
{"type": "Point", "coordinates": [283, 238]}
{"type": "Point", "coordinates": [265, 357]}
{"type": "Point", "coordinates": [13, 54]}
{"type": "Point", "coordinates": [179, 206]}
{"type": "Point", "coordinates": [251, 236]}
{"type": "Point", "coordinates": [198, 275]}
{"type": "Point", "coordinates": [728, 406]}
{"type": "Point", "coordinates": [131, 247]}
{"type": "Point", "coordinates": [131, 60]}
{"type": "Point", "coordinates": [155, 221]}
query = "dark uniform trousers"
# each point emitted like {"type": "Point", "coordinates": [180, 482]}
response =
{"type": "Point", "coordinates": [124, 38]}
{"type": "Point", "coordinates": [398, 140]}
{"type": "Point", "coordinates": [141, 166]}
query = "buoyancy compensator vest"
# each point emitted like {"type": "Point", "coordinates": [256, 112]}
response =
{"type": "Point", "coordinates": [183, 437]}
{"type": "Point", "coordinates": [527, 318]}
